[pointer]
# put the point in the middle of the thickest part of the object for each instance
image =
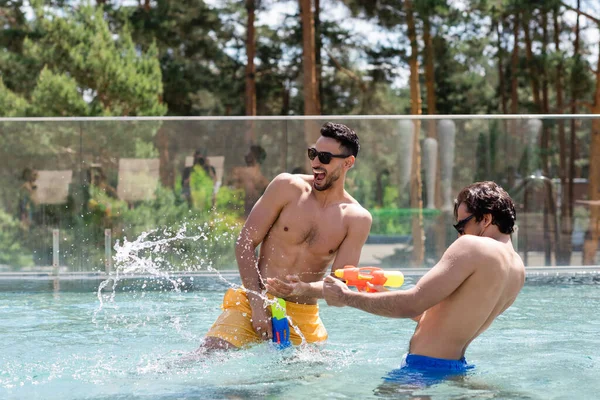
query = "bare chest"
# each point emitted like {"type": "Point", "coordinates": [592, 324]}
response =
{"type": "Point", "coordinates": [304, 224]}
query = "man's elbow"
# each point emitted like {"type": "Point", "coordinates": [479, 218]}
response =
{"type": "Point", "coordinates": [407, 311]}
{"type": "Point", "coordinates": [400, 313]}
{"type": "Point", "coordinates": [246, 235]}
{"type": "Point", "coordinates": [244, 243]}
{"type": "Point", "coordinates": [413, 313]}
{"type": "Point", "coordinates": [412, 307]}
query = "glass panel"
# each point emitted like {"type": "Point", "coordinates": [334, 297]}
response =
{"type": "Point", "coordinates": [39, 192]}
{"type": "Point", "coordinates": [201, 177]}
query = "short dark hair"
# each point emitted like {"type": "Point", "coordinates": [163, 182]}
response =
{"type": "Point", "coordinates": [346, 136]}
{"type": "Point", "coordinates": [27, 173]}
{"type": "Point", "coordinates": [198, 157]}
{"type": "Point", "coordinates": [488, 198]}
{"type": "Point", "coordinates": [258, 153]}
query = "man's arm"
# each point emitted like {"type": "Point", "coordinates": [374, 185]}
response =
{"type": "Point", "coordinates": [264, 213]}
{"type": "Point", "coordinates": [456, 265]}
{"type": "Point", "coordinates": [348, 254]}
{"type": "Point", "coordinates": [351, 247]}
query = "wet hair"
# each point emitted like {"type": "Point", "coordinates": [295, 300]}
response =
{"type": "Point", "coordinates": [346, 136]}
{"type": "Point", "coordinates": [488, 198]}
{"type": "Point", "coordinates": [258, 153]}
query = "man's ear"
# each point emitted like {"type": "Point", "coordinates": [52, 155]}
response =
{"type": "Point", "coordinates": [487, 218]}
{"type": "Point", "coordinates": [349, 162]}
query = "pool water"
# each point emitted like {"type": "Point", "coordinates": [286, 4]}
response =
{"type": "Point", "coordinates": [64, 346]}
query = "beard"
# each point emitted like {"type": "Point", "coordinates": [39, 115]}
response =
{"type": "Point", "coordinates": [329, 181]}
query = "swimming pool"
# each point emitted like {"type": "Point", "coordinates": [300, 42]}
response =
{"type": "Point", "coordinates": [61, 345]}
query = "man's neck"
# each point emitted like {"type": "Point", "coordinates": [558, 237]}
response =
{"type": "Point", "coordinates": [499, 236]}
{"type": "Point", "coordinates": [330, 196]}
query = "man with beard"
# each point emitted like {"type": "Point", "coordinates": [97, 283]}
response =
{"type": "Point", "coordinates": [302, 223]}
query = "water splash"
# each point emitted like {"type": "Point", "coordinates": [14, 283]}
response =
{"type": "Point", "coordinates": [157, 256]}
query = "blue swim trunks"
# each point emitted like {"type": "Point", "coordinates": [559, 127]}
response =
{"type": "Point", "coordinates": [422, 371]}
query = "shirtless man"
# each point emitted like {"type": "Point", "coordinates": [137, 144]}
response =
{"type": "Point", "coordinates": [478, 277]}
{"type": "Point", "coordinates": [250, 178]}
{"type": "Point", "coordinates": [302, 223]}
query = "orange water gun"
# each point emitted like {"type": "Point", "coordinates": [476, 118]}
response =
{"type": "Point", "coordinates": [359, 276]}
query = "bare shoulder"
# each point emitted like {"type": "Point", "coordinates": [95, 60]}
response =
{"type": "Point", "coordinates": [294, 179]}
{"type": "Point", "coordinates": [486, 254]}
{"type": "Point", "coordinates": [355, 212]}
{"type": "Point", "coordinates": [476, 249]}
{"type": "Point", "coordinates": [286, 183]}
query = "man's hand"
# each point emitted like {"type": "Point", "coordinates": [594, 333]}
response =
{"type": "Point", "coordinates": [261, 320]}
{"type": "Point", "coordinates": [293, 287]}
{"type": "Point", "coordinates": [376, 288]}
{"type": "Point", "coordinates": [335, 291]}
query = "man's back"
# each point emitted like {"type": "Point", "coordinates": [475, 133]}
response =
{"type": "Point", "coordinates": [446, 329]}
{"type": "Point", "coordinates": [478, 277]}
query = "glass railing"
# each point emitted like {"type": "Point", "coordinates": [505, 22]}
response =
{"type": "Point", "coordinates": [73, 188]}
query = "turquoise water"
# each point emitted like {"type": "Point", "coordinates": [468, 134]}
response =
{"type": "Point", "coordinates": [63, 346]}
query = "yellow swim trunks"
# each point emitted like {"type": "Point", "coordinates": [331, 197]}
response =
{"type": "Point", "coordinates": [234, 325]}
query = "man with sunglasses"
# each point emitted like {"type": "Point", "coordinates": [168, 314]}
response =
{"type": "Point", "coordinates": [478, 277]}
{"type": "Point", "coordinates": [303, 224]}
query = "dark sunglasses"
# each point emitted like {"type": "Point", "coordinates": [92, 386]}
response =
{"type": "Point", "coordinates": [460, 225]}
{"type": "Point", "coordinates": [324, 156]}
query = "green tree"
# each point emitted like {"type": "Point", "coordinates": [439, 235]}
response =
{"type": "Point", "coordinates": [57, 95]}
{"type": "Point", "coordinates": [106, 66]}
{"type": "Point", "coordinates": [198, 76]}
{"type": "Point", "coordinates": [11, 104]}
{"type": "Point", "coordinates": [83, 68]}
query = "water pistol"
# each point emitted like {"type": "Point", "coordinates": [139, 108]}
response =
{"type": "Point", "coordinates": [359, 276]}
{"type": "Point", "coordinates": [281, 327]}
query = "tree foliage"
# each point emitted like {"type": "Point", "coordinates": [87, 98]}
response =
{"type": "Point", "coordinates": [184, 57]}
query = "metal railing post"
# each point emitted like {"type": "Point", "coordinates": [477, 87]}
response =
{"type": "Point", "coordinates": [107, 251]}
{"type": "Point", "coordinates": [55, 252]}
{"type": "Point", "coordinates": [56, 260]}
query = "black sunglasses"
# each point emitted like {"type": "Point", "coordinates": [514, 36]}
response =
{"type": "Point", "coordinates": [460, 225]}
{"type": "Point", "coordinates": [324, 156]}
